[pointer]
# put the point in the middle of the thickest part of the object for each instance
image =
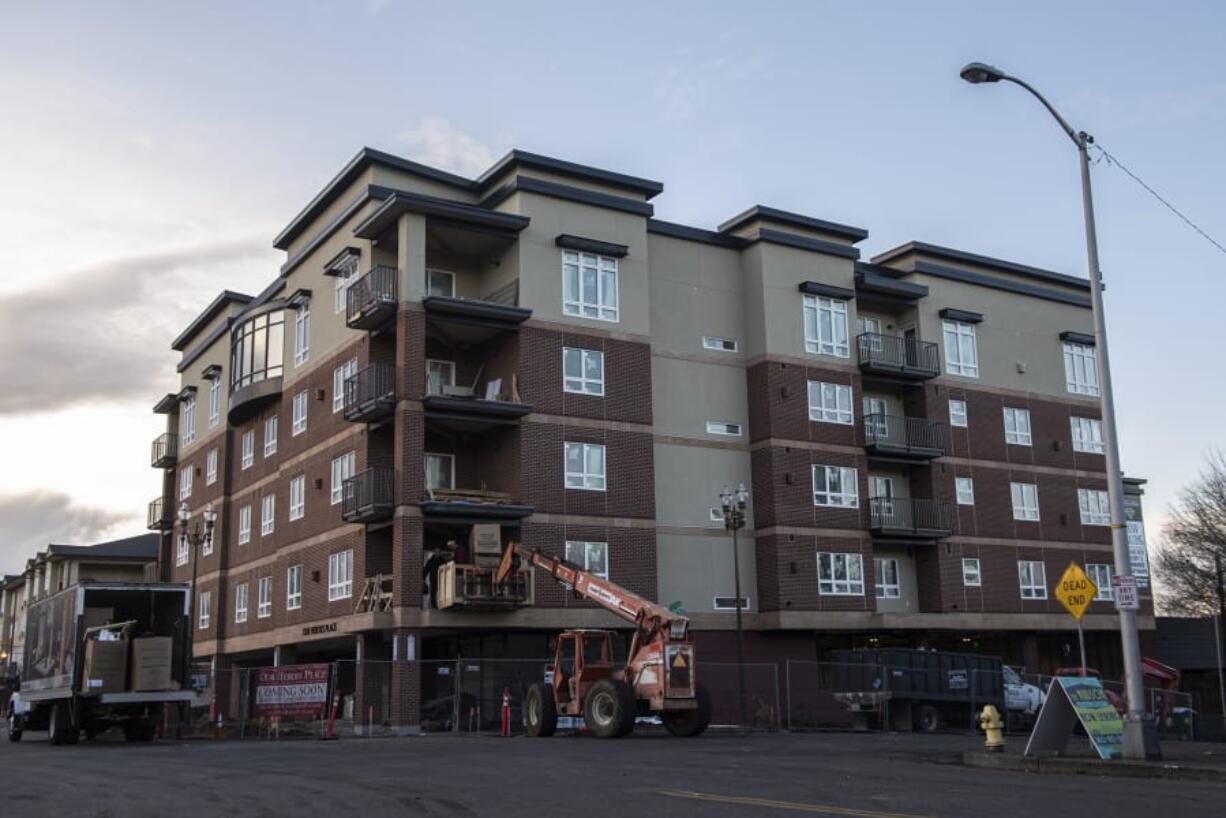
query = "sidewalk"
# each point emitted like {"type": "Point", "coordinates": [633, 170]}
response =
{"type": "Point", "coordinates": [1181, 760]}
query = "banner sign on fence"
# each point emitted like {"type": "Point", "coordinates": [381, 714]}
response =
{"type": "Point", "coordinates": [293, 690]}
{"type": "Point", "coordinates": [1073, 699]}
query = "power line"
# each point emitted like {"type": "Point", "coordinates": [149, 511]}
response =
{"type": "Point", "coordinates": [1111, 160]}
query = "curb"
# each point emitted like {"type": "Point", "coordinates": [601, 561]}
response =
{"type": "Point", "coordinates": [1087, 766]}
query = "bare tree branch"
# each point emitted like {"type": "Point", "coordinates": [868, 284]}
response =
{"type": "Point", "coordinates": [1194, 539]}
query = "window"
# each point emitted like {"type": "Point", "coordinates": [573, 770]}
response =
{"type": "Point", "coordinates": [210, 468]}
{"type": "Point", "coordinates": [340, 575]}
{"type": "Point", "coordinates": [264, 604]}
{"type": "Point", "coordinates": [719, 427]}
{"type": "Point", "coordinates": [1025, 501]}
{"type": "Point", "coordinates": [302, 334]}
{"type": "Point", "coordinates": [214, 402]}
{"type": "Point", "coordinates": [438, 375]}
{"type": "Point", "coordinates": [720, 344]}
{"type": "Point", "coordinates": [971, 575]}
{"type": "Point", "coordinates": [270, 436]}
{"type": "Point", "coordinates": [885, 579]}
{"type": "Point", "coordinates": [875, 422]}
{"type": "Point", "coordinates": [1017, 426]}
{"type": "Point", "coordinates": [1087, 435]}
{"type": "Point", "coordinates": [240, 602]}
{"type": "Point", "coordinates": [185, 483]}
{"type": "Point", "coordinates": [181, 553]}
{"type": "Point", "coordinates": [830, 402]}
{"type": "Point", "coordinates": [1081, 369]}
{"type": "Point", "coordinates": [244, 525]}
{"type": "Point", "coordinates": [881, 489]}
{"type": "Point", "coordinates": [257, 347]}
{"type": "Point", "coordinates": [590, 556]}
{"type": "Point", "coordinates": [345, 274]}
{"type": "Point", "coordinates": [840, 574]}
{"type": "Point", "coordinates": [1032, 578]}
{"type": "Point", "coordinates": [268, 514]}
{"type": "Point", "coordinates": [961, 356]}
{"type": "Point", "coordinates": [440, 471]}
{"type": "Point", "coordinates": [440, 282]}
{"type": "Point", "coordinates": [1100, 575]}
{"type": "Point", "coordinates": [729, 603]}
{"type": "Point", "coordinates": [957, 413]}
{"type": "Point", "coordinates": [293, 588]}
{"type": "Point", "coordinates": [343, 468]}
{"type": "Point", "coordinates": [826, 326]}
{"type": "Point", "coordinates": [339, 375]}
{"type": "Point", "coordinates": [248, 448]}
{"type": "Point", "coordinates": [868, 325]}
{"type": "Point", "coordinates": [297, 497]}
{"type": "Point", "coordinates": [716, 515]}
{"type": "Point", "coordinates": [583, 371]}
{"type": "Point", "coordinates": [1095, 508]}
{"type": "Point", "coordinates": [585, 466]}
{"type": "Point", "coordinates": [589, 285]}
{"type": "Point", "coordinates": [835, 486]}
{"type": "Point", "coordinates": [964, 488]}
{"type": "Point", "coordinates": [300, 414]}
{"type": "Point", "coordinates": [187, 420]}
{"type": "Point", "coordinates": [204, 606]}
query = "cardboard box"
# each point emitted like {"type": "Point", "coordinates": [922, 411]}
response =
{"type": "Point", "coordinates": [485, 545]}
{"type": "Point", "coordinates": [98, 616]}
{"type": "Point", "coordinates": [106, 667]}
{"type": "Point", "coordinates": [151, 659]}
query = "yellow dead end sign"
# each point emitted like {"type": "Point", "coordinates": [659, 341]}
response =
{"type": "Point", "coordinates": [1075, 590]}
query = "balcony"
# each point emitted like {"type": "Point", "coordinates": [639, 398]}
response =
{"type": "Point", "coordinates": [165, 451]}
{"type": "Point", "coordinates": [904, 438]}
{"type": "Point", "coordinates": [910, 518]}
{"type": "Point", "coordinates": [160, 517]}
{"type": "Point", "coordinates": [897, 357]}
{"type": "Point", "coordinates": [370, 303]}
{"type": "Point", "coordinates": [368, 497]}
{"type": "Point", "coordinates": [466, 414]}
{"type": "Point", "coordinates": [470, 506]}
{"type": "Point", "coordinates": [370, 395]}
{"type": "Point", "coordinates": [473, 587]}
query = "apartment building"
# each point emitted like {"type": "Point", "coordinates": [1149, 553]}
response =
{"type": "Point", "coordinates": [533, 350]}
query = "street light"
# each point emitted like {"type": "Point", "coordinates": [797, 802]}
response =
{"type": "Point", "coordinates": [733, 507]}
{"type": "Point", "coordinates": [194, 537]}
{"type": "Point", "coordinates": [1140, 738]}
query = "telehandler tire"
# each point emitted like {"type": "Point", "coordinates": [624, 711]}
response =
{"type": "Point", "coordinates": [540, 713]}
{"type": "Point", "coordinates": [687, 723]}
{"type": "Point", "coordinates": [607, 707]}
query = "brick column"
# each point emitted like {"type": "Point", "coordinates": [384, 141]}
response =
{"type": "Point", "coordinates": [372, 681]}
{"type": "Point", "coordinates": [406, 684]}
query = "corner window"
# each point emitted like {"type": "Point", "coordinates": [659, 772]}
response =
{"type": "Point", "coordinates": [1087, 435]}
{"type": "Point", "coordinates": [204, 608]}
{"type": "Point", "coordinates": [248, 442]}
{"type": "Point", "coordinates": [885, 579]}
{"type": "Point", "coordinates": [826, 326]}
{"type": "Point", "coordinates": [268, 514]}
{"type": "Point", "coordinates": [300, 414]}
{"type": "Point", "coordinates": [440, 282]}
{"type": "Point", "coordinates": [835, 486]}
{"type": "Point", "coordinates": [270, 436]}
{"type": "Point", "coordinates": [293, 588]}
{"type": "Point", "coordinates": [339, 375]}
{"type": "Point", "coordinates": [187, 420]}
{"type": "Point", "coordinates": [1017, 426]}
{"type": "Point", "coordinates": [264, 607]}
{"type": "Point", "coordinates": [257, 347]}
{"type": "Point", "coordinates": [583, 371]}
{"type": "Point", "coordinates": [210, 468]}
{"type": "Point", "coordinates": [961, 356]}
{"type": "Point", "coordinates": [1025, 501]}
{"type": "Point", "coordinates": [585, 466]}
{"type": "Point", "coordinates": [302, 334]}
{"type": "Point", "coordinates": [439, 376]}
{"type": "Point", "coordinates": [297, 497]}
{"type": "Point", "coordinates": [589, 286]}
{"type": "Point", "coordinates": [830, 402]}
{"type": "Point", "coordinates": [957, 413]}
{"type": "Point", "coordinates": [1032, 579]}
{"type": "Point", "coordinates": [340, 575]}
{"type": "Point", "coordinates": [1095, 507]}
{"type": "Point", "coordinates": [244, 525]}
{"type": "Point", "coordinates": [840, 574]}
{"type": "Point", "coordinates": [590, 556]}
{"type": "Point", "coordinates": [343, 468]}
{"type": "Point", "coordinates": [1100, 575]}
{"type": "Point", "coordinates": [214, 402]}
{"type": "Point", "coordinates": [1081, 369]}
{"type": "Point", "coordinates": [964, 488]}
{"type": "Point", "coordinates": [971, 574]}
{"type": "Point", "coordinates": [240, 602]}
{"type": "Point", "coordinates": [440, 471]}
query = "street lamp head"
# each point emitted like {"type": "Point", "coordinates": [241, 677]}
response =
{"type": "Point", "coordinates": [184, 513]}
{"type": "Point", "coordinates": [725, 498]}
{"type": "Point", "coordinates": [210, 516]}
{"type": "Point", "coordinates": [977, 72]}
{"type": "Point", "coordinates": [742, 495]}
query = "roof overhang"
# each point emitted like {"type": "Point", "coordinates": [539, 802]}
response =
{"type": "Point", "coordinates": [397, 204]}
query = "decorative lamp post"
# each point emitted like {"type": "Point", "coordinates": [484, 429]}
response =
{"type": "Point", "coordinates": [733, 506]}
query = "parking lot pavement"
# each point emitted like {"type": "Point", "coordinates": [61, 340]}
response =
{"type": "Point", "coordinates": [870, 776]}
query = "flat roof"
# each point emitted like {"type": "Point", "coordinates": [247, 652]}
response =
{"type": "Point", "coordinates": [141, 546]}
{"type": "Point", "coordinates": [210, 312]}
{"type": "Point", "coordinates": [1001, 265]}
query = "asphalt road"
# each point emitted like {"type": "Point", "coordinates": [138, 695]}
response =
{"type": "Point", "coordinates": [868, 776]}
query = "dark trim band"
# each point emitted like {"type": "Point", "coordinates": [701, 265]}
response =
{"type": "Point", "coordinates": [965, 316]}
{"type": "Point", "coordinates": [208, 314]}
{"type": "Point", "coordinates": [1077, 338]}
{"type": "Point", "coordinates": [600, 248]}
{"type": "Point", "coordinates": [804, 243]}
{"type": "Point", "coordinates": [683, 231]}
{"type": "Point", "coordinates": [399, 203]}
{"type": "Point", "coordinates": [828, 290]}
{"type": "Point", "coordinates": [967, 277]}
{"type": "Point", "coordinates": [950, 254]}
{"type": "Point", "coordinates": [526, 184]}
{"type": "Point", "coordinates": [758, 212]}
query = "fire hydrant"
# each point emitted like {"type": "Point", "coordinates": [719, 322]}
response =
{"type": "Point", "coordinates": [993, 729]}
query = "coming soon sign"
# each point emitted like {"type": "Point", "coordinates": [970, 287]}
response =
{"type": "Point", "coordinates": [294, 690]}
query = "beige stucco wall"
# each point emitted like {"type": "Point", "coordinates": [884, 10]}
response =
{"type": "Point", "coordinates": [686, 394]}
{"type": "Point", "coordinates": [689, 480]}
{"type": "Point", "coordinates": [695, 569]}
{"type": "Point", "coordinates": [908, 602]}
{"type": "Point", "coordinates": [782, 271]}
{"type": "Point", "coordinates": [696, 290]}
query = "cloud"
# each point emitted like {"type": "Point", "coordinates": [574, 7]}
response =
{"type": "Point", "coordinates": [688, 87]}
{"type": "Point", "coordinates": [375, 7]}
{"type": "Point", "coordinates": [102, 333]}
{"type": "Point", "coordinates": [440, 144]}
{"type": "Point", "coordinates": [30, 520]}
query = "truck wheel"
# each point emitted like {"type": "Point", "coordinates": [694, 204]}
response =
{"type": "Point", "coordinates": [540, 713]}
{"type": "Point", "coordinates": [928, 719]}
{"type": "Point", "coordinates": [686, 723]}
{"type": "Point", "coordinates": [608, 705]}
{"type": "Point", "coordinates": [14, 728]}
{"type": "Point", "coordinates": [61, 728]}
{"type": "Point", "coordinates": [139, 729]}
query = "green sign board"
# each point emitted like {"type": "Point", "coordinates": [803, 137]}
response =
{"type": "Point", "coordinates": [1073, 699]}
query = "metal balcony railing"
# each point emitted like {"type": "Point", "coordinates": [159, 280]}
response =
{"type": "Point", "coordinates": [898, 356]}
{"type": "Point", "coordinates": [368, 497]}
{"type": "Point", "coordinates": [165, 451]}
{"type": "Point", "coordinates": [904, 436]}
{"type": "Point", "coordinates": [371, 394]}
{"type": "Point", "coordinates": [910, 517]}
{"type": "Point", "coordinates": [160, 517]}
{"type": "Point", "coordinates": [371, 300]}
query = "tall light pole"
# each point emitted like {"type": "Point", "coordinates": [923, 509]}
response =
{"type": "Point", "coordinates": [195, 538]}
{"type": "Point", "coordinates": [733, 506]}
{"type": "Point", "coordinates": [1140, 737]}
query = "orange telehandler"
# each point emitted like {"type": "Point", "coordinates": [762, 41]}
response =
{"type": "Point", "coordinates": [657, 679]}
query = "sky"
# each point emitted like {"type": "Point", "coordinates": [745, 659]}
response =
{"type": "Point", "coordinates": [150, 152]}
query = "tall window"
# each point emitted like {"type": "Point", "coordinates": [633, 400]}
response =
{"type": "Point", "coordinates": [885, 578]}
{"type": "Point", "coordinates": [343, 468]}
{"type": "Point", "coordinates": [264, 607]}
{"type": "Point", "coordinates": [345, 275]}
{"type": "Point", "coordinates": [210, 467]}
{"type": "Point", "coordinates": [300, 414]}
{"type": "Point", "coordinates": [439, 374]}
{"type": "Point", "coordinates": [590, 556]}
{"type": "Point", "coordinates": [302, 334]}
{"type": "Point", "coordinates": [297, 497]}
{"type": "Point", "coordinates": [1025, 501]}
{"type": "Point", "coordinates": [876, 424]}
{"type": "Point", "coordinates": [244, 525]}
{"type": "Point", "coordinates": [840, 574]}
{"type": "Point", "coordinates": [257, 346]}
{"type": "Point", "coordinates": [1080, 369]}
{"type": "Point", "coordinates": [957, 413]}
{"type": "Point", "coordinates": [240, 602]}
{"type": "Point", "coordinates": [1095, 508]}
{"type": "Point", "coordinates": [440, 282]}
{"type": "Point", "coordinates": [340, 575]}
{"type": "Point", "coordinates": [589, 285]}
{"type": "Point", "coordinates": [270, 436]}
{"type": "Point", "coordinates": [339, 375]}
{"type": "Point", "coordinates": [972, 577]}
{"type": "Point", "coordinates": [293, 588]}
{"type": "Point", "coordinates": [248, 448]}
{"type": "Point", "coordinates": [868, 324]}
{"type": "Point", "coordinates": [214, 402]}
{"type": "Point", "coordinates": [187, 420]}
{"type": "Point", "coordinates": [585, 466]}
{"type": "Point", "coordinates": [268, 514]}
{"type": "Point", "coordinates": [1087, 435]}
{"type": "Point", "coordinates": [830, 402]}
{"type": "Point", "coordinates": [204, 608]}
{"type": "Point", "coordinates": [181, 551]}
{"type": "Point", "coordinates": [961, 356]}
{"type": "Point", "coordinates": [1032, 579]}
{"type": "Point", "coordinates": [583, 371]}
{"type": "Point", "coordinates": [1017, 426]}
{"type": "Point", "coordinates": [440, 471]}
{"type": "Point", "coordinates": [835, 486]}
{"type": "Point", "coordinates": [826, 326]}
{"type": "Point", "coordinates": [185, 482]}
{"type": "Point", "coordinates": [1100, 575]}
{"type": "Point", "coordinates": [964, 488]}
